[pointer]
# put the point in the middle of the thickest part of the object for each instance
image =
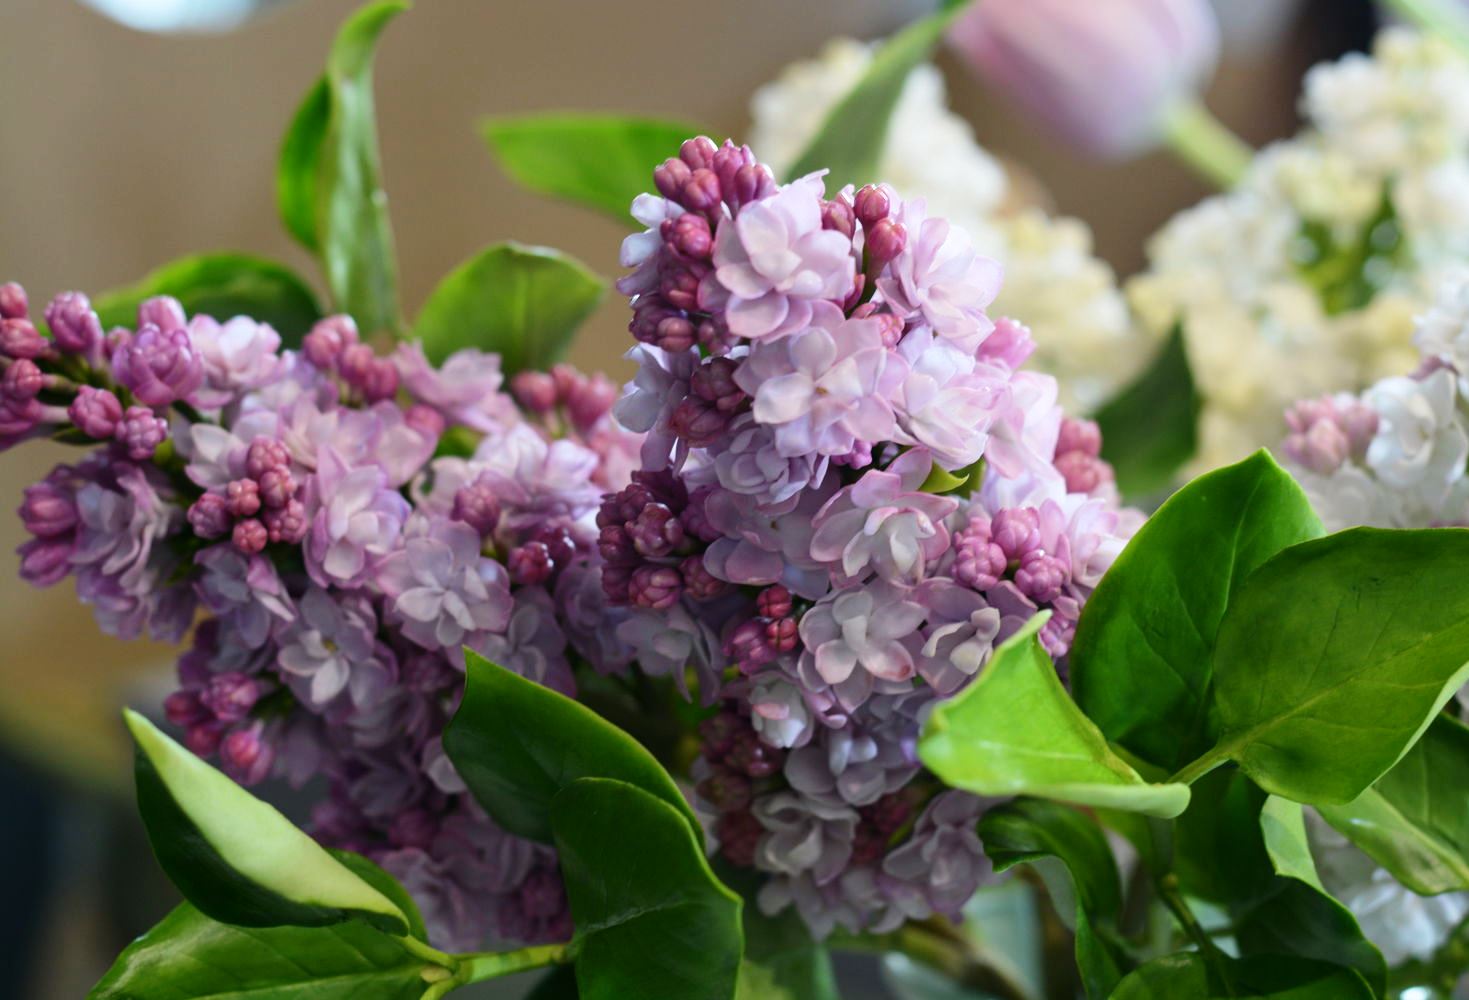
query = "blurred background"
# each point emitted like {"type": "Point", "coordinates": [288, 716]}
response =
{"type": "Point", "coordinates": [124, 145]}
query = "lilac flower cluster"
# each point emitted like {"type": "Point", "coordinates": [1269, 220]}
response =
{"type": "Point", "coordinates": [850, 492]}
{"type": "Point", "coordinates": [347, 522]}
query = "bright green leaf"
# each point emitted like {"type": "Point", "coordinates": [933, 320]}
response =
{"type": "Point", "coordinates": [1283, 827]}
{"type": "Point", "coordinates": [602, 161]}
{"type": "Point", "coordinates": [651, 920]}
{"type": "Point", "coordinates": [851, 139]}
{"type": "Point", "coordinates": [1141, 661]}
{"type": "Point", "coordinates": [1415, 820]}
{"type": "Point", "coordinates": [517, 744]}
{"type": "Point", "coordinates": [384, 883]}
{"type": "Point", "coordinates": [523, 303]}
{"type": "Point", "coordinates": [1336, 654]}
{"type": "Point", "coordinates": [235, 857]}
{"type": "Point", "coordinates": [1150, 428]}
{"type": "Point", "coordinates": [190, 957]}
{"type": "Point", "coordinates": [222, 285]}
{"type": "Point", "coordinates": [1015, 731]}
{"type": "Point", "coordinates": [1186, 976]}
{"type": "Point", "coordinates": [299, 163]}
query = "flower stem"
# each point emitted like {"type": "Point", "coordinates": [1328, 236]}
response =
{"type": "Point", "coordinates": [1203, 143]}
{"type": "Point", "coordinates": [1447, 20]}
{"type": "Point", "coordinates": [944, 949]}
{"type": "Point", "coordinates": [1196, 769]}
{"type": "Point", "coordinates": [492, 965]}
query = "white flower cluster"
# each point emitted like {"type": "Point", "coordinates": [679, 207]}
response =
{"type": "Point", "coordinates": [1306, 277]}
{"type": "Point", "coordinates": [1067, 296]}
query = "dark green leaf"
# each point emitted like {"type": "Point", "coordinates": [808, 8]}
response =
{"type": "Point", "coordinates": [1150, 428]}
{"type": "Point", "coordinates": [190, 957]}
{"type": "Point", "coordinates": [1218, 854]}
{"type": "Point", "coordinates": [780, 956]}
{"type": "Point", "coordinates": [222, 285]}
{"type": "Point", "coordinates": [523, 303]}
{"type": "Point", "coordinates": [300, 161]}
{"type": "Point", "coordinates": [652, 922]}
{"type": "Point", "coordinates": [1015, 731]}
{"type": "Point", "coordinates": [236, 858]}
{"type": "Point", "coordinates": [1140, 664]}
{"type": "Point", "coordinates": [384, 883]}
{"type": "Point", "coordinates": [1072, 855]}
{"type": "Point", "coordinates": [1415, 820]}
{"type": "Point", "coordinates": [850, 141]}
{"type": "Point", "coordinates": [1336, 654]}
{"type": "Point", "coordinates": [602, 161]}
{"type": "Point", "coordinates": [517, 744]}
{"type": "Point", "coordinates": [558, 984]}
{"type": "Point", "coordinates": [1186, 976]}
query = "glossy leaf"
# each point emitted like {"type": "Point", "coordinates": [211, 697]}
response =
{"type": "Point", "coordinates": [1415, 820]}
{"type": "Point", "coordinates": [598, 160]}
{"type": "Point", "coordinates": [1336, 654]}
{"type": "Point", "coordinates": [851, 139]}
{"type": "Point", "coordinates": [557, 984]}
{"type": "Point", "coordinates": [189, 956]}
{"type": "Point", "coordinates": [237, 858]}
{"type": "Point", "coordinates": [517, 744]}
{"type": "Point", "coordinates": [329, 177]}
{"type": "Point", "coordinates": [384, 883]}
{"type": "Point", "coordinates": [1072, 855]}
{"type": "Point", "coordinates": [1150, 428]}
{"type": "Point", "coordinates": [1218, 854]}
{"type": "Point", "coordinates": [523, 303]}
{"type": "Point", "coordinates": [1186, 976]}
{"type": "Point", "coordinates": [1141, 660]}
{"type": "Point", "coordinates": [651, 920]}
{"type": "Point", "coordinates": [222, 285]}
{"type": "Point", "coordinates": [1015, 731]}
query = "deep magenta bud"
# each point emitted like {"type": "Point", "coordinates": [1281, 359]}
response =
{"type": "Point", "coordinates": [13, 301]}
{"type": "Point", "coordinates": [250, 536]}
{"type": "Point", "coordinates": [871, 205]}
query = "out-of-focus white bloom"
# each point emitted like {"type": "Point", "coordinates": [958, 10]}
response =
{"type": "Point", "coordinates": [1064, 293]}
{"type": "Point", "coordinates": [1381, 172]}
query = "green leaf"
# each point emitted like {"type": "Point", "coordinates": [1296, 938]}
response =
{"type": "Point", "coordinates": [1150, 428]}
{"type": "Point", "coordinates": [222, 285]}
{"type": "Point", "coordinates": [1283, 829]}
{"type": "Point", "coordinates": [1335, 656]}
{"type": "Point", "coordinates": [1015, 731]}
{"type": "Point", "coordinates": [190, 957]}
{"type": "Point", "coordinates": [384, 883]}
{"type": "Point", "coordinates": [1072, 856]}
{"type": "Point", "coordinates": [1186, 976]}
{"type": "Point", "coordinates": [1218, 854]}
{"type": "Point", "coordinates": [601, 161]}
{"type": "Point", "coordinates": [1415, 820]}
{"type": "Point", "coordinates": [651, 920]}
{"type": "Point", "coordinates": [236, 858]}
{"type": "Point", "coordinates": [850, 141]}
{"type": "Point", "coordinates": [781, 958]}
{"type": "Point", "coordinates": [523, 303]}
{"type": "Point", "coordinates": [1141, 660]}
{"type": "Point", "coordinates": [517, 744]}
{"type": "Point", "coordinates": [329, 176]}
{"type": "Point", "coordinates": [558, 984]}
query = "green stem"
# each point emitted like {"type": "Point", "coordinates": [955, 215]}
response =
{"type": "Point", "coordinates": [1178, 906]}
{"type": "Point", "coordinates": [1447, 20]}
{"type": "Point", "coordinates": [428, 953]}
{"type": "Point", "coordinates": [945, 950]}
{"type": "Point", "coordinates": [1196, 769]}
{"type": "Point", "coordinates": [1204, 145]}
{"type": "Point", "coordinates": [492, 965]}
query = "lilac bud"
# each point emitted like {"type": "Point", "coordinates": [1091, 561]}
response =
{"type": "Point", "coordinates": [209, 516]}
{"type": "Point", "coordinates": [74, 326]}
{"type": "Point", "coordinates": [46, 561]}
{"type": "Point", "coordinates": [717, 733]}
{"type": "Point", "coordinates": [328, 339]}
{"type": "Point", "coordinates": [978, 562]}
{"type": "Point", "coordinates": [739, 834]}
{"type": "Point", "coordinates": [250, 536]}
{"type": "Point", "coordinates": [18, 418]}
{"type": "Point", "coordinates": [746, 646]}
{"type": "Point", "coordinates": [670, 178]}
{"type": "Point", "coordinates": [141, 432]}
{"type": "Point", "coordinates": [230, 696]}
{"type": "Point", "coordinates": [1041, 576]}
{"type": "Point", "coordinates": [680, 288]}
{"type": "Point", "coordinates": [751, 183]}
{"type": "Point", "coordinates": [477, 507]}
{"type": "Point", "coordinates": [702, 192]}
{"type": "Point", "coordinates": [699, 583]}
{"type": "Point", "coordinates": [159, 368]}
{"type": "Point", "coordinates": [589, 401]}
{"type": "Point", "coordinates": [754, 757]}
{"type": "Point", "coordinates": [23, 380]}
{"type": "Point", "coordinates": [698, 152]}
{"type": "Point", "coordinates": [774, 602]}
{"type": "Point", "coordinates": [714, 382]}
{"type": "Point", "coordinates": [1079, 435]}
{"type": "Point", "coordinates": [781, 635]}
{"type": "Point", "coordinates": [1083, 473]}
{"type": "Point", "coordinates": [286, 525]}
{"type": "Point", "coordinates": [242, 498]}
{"type": "Point", "coordinates": [615, 547]}
{"type": "Point", "coordinates": [96, 412]}
{"type": "Point", "coordinates": [1105, 76]}
{"type": "Point", "coordinates": [13, 301]}
{"type": "Point", "coordinates": [19, 338]}
{"type": "Point", "coordinates": [885, 240]}
{"type": "Point", "coordinates": [1359, 421]}
{"type": "Point", "coordinates": [536, 391]}
{"type": "Point", "coordinates": [184, 709]}
{"type": "Point", "coordinates": [276, 487]}
{"type": "Point", "coordinates": [695, 520]}
{"type": "Point", "coordinates": [689, 234]}
{"type": "Point", "coordinates": [354, 363]}
{"type": "Point", "coordinates": [380, 380]}
{"type": "Point", "coordinates": [656, 531]}
{"type": "Point", "coordinates": [530, 564]}
{"type": "Point", "coordinates": [246, 757]}
{"type": "Point", "coordinates": [558, 540]}
{"type": "Point", "coordinates": [164, 312]}
{"type": "Point", "coordinates": [265, 454]}
{"type": "Point", "coordinates": [838, 215]}
{"type": "Point", "coordinates": [47, 510]}
{"type": "Point", "coordinates": [1016, 531]}
{"type": "Point", "coordinates": [203, 739]}
{"type": "Point", "coordinates": [654, 587]}
{"type": "Point", "coordinates": [426, 420]}
{"type": "Point", "coordinates": [697, 422]}
{"type": "Point", "coordinates": [872, 205]}
{"type": "Point", "coordinates": [728, 160]}
{"type": "Point", "coordinates": [726, 790]}
{"type": "Point", "coordinates": [615, 582]}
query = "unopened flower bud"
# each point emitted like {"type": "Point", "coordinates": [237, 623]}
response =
{"type": "Point", "coordinates": [670, 177]}
{"type": "Point", "coordinates": [838, 216]}
{"type": "Point", "coordinates": [265, 454]}
{"type": "Point", "coordinates": [477, 507]}
{"type": "Point", "coordinates": [277, 487]}
{"type": "Point", "coordinates": [74, 326]}
{"type": "Point", "coordinates": [698, 152]}
{"type": "Point", "coordinates": [250, 536]}
{"type": "Point", "coordinates": [231, 695]}
{"type": "Point", "coordinates": [48, 510]}
{"type": "Point", "coordinates": [19, 338]}
{"type": "Point", "coordinates": [23, 380]}
{"type": "Point", "coordinates": [885, 240]}
{"type": "Point", "coordinates": [530, 564]}
{"type": "Point", "coordinates": [209, 516]}
{"type": "Point", "coordinates": [95, 412]}
{"type": "Point", "coordinates": [654, 587]}
{"type": "Point", "coordinates": [872, 205]}
{"type": "Point", "coordinates": [164, 312]}
{"type": "Point", "coordinates": [242, 497]}
{"type": "Point", "coordinates": [536, 391]}
{"type": "Point", "coordinates": [286, 524]}
{"type": "Point", "coordinates": [245, 756]}
{"type": "Point", "coordinates": [13, 301]}
{"type": "Point", "coordinates": [141, 432]}
{"type": "Point", "coordinates": [328, 339]}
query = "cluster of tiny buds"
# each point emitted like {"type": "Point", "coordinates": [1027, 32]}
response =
{"type": "Point", "coordinates": [883, 238]}
{"type": "Point", "coordinates": [333, 345]}
{"type": "Point", "coordinates": [651, 537]}
{"type": "Point", "coordinates": [769, 634]}
{"type": "Point", "coordinates": [257, 509]}
{"type": "Point", "coordinates": [1079, 456]}
{"type": "Point", "coordinates": [216, 718]}
{"type": "Point", "coordinates": [736, 761]}
{"type": "Point", "coordinates": [702, 417]}
{"type": "Point", "coordinates": [1008, 545]}
{"type": "Point", "coordinates": [583, 400]}
{"type": "Point", "coordinates": [704, 177]}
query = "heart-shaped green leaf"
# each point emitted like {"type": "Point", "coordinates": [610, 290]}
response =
{"type": "Point", "coordinates": [651, 920]}
{"type": "Point", "coordinates": [851, 139]}
{"type": "Point", "coordinates": [237, 858]}
{"type": "Point", "coordinates": [1336, 654]}
{"type": "Point", "coordinates": [1015, 731]}
{"type": "Point", "coordinates": [1150, 428]}
{"type": "Point", "coordinates": [517, 744]}
{"type": "Point", "coordinates": [1186, 976]}
{"type": "Point", "coordinates": [601, 161]}
{"type": "Point", "coordinates": [329, 176]}
{"type": "Point", "coordinates": [523, 303]}
{"type": "Point", "coordinates": [1415, 820]}
{"type": "Point", "coordinates": [1141, 661]}
{"type": "Point", "coordinates": [222, 285]}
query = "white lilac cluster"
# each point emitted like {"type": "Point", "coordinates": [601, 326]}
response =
{"type": "Point", "coordinates": [821, 389]}
{"type": "Point", "coordinates": [1305, 277]}
{"type": "Point", "coordinates": [1068, 296]}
